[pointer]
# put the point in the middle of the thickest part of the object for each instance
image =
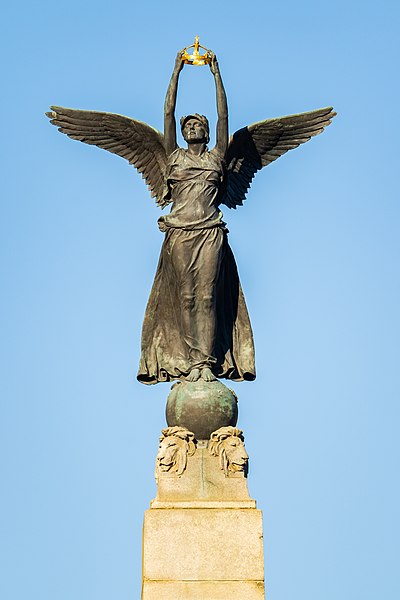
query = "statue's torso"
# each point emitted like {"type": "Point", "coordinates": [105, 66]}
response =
{"type": "Point", "coordinates": [193, 185]}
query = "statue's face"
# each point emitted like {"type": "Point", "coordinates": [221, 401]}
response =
{"type": "Point", "coordinates": [194, 132]}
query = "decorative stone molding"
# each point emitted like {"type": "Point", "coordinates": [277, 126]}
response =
{"type": "Point", "coordinates": [176, 444]}
{"type": "Point", "coordinates": [228, 444]}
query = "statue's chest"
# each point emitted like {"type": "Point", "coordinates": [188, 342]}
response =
{"type": "Point", "coordinates": [204, 168]}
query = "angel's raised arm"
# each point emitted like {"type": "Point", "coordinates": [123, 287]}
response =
{"type": "Point", "coordinates": [169, 107]}
{"type": "Point", "coordinates": [222, 108]}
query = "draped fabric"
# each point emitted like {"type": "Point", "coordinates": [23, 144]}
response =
{"type": "Point", "coordinates": [166, 355]}
{"type": "Point", "coordinates": [196, 315]}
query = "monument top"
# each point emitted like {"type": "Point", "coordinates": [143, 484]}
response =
{"type": "Point", "coordinates": [196, 324]}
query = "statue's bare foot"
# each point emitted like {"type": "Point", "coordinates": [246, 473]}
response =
{"type": "Point", "coordinates": [207, 374]}
{"type": "Point", "coordinates": [194, 375]}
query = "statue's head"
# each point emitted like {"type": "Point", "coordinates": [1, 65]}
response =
{"type": "Point", "coordinates": [227, 443]}
{"type": "Point", "coordinates": [176, 444]}
{"type": "Point", "coordinates": [195, 129]}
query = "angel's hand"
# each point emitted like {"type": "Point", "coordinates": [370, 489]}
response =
{"type": "Point", "coordinates": [179, 62]}
{"type": "Point", "coordinates": [161, 225]}
{"type": "Point", "coordinates": [214, 68]}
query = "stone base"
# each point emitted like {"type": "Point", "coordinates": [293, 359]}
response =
{"type": "Point", "coordinates": [203, 554]}
{"type": "Point", "coordinates": [202, 484]}
{"type": "Point", "coordinates": [203, 590]}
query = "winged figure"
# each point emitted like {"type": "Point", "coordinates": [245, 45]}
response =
{"type": "Point", "coordinates": [196, 324]}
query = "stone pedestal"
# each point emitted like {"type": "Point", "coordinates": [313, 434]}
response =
{"type": "Point", "coordinates": [202, 537]}
{"type": "Point", "coordinates": [203, 554]}
{"type": "Point", "coordinates": [203, 590]}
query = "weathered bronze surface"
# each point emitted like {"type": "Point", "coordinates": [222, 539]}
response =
{"type": "Point", "coordinates": [201, 407]}
{"type": "Point", "coordinates": [196, 323]}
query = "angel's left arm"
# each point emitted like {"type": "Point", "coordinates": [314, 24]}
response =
{"type": "Point", "coordinates": [222, 108]}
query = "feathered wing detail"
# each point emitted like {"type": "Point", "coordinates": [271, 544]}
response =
{"type": "Point", "coordinates": [253, 147]}
{"type": "Point", "coordinates": [139, 143]}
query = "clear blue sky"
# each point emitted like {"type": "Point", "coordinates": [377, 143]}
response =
{"type": "Point", "coordinates": [317, 246]}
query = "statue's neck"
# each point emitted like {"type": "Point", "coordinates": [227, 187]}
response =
{"type": "Point", "coordinates": [197, 149]}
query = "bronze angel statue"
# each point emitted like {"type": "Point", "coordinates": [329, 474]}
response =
{"type": "Point", "coordinates": [196, 324]}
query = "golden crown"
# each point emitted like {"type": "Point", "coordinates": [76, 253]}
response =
{"type": "Point", "coordinates": [196, 58]}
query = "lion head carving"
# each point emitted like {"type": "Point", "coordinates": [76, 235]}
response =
{"type": "Point", "coordinates": [176, 444]}
{"type": "Point", "coordinates": [227, 443]}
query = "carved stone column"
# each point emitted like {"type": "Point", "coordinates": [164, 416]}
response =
{"type": "Point", "coordinates": [202, 537]}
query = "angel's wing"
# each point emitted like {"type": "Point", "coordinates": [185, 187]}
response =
{"type": "Point", "coordinates": [253, 147]}
{"type": "Point", "coordinates": [139, 143]}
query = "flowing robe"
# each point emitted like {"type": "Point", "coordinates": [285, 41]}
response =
{"type": "Point", "coordinates": [196, 272]}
